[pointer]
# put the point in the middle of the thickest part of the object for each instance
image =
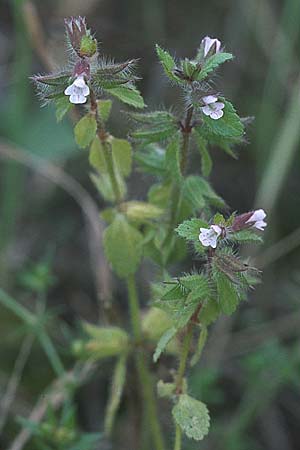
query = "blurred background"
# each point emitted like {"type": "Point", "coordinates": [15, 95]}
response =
{"type": "Point", "coordinates": [249, 375]}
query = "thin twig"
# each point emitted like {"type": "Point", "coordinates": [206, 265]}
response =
{"type": "Point", "coordinates": [14, 380]}
{"type": "Point", "coordinates": [54, 396]}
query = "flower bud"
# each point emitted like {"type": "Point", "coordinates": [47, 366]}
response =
{"type": "Point", "coordinates": [210, 46]}
{"type": "Point", "coordinates": [251, 219]}
{"type": "Point", "coordinates": [80, 37]}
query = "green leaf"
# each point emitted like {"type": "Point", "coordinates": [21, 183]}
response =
{"type": "Point", "coordinates": [155, 133]}
{"type": "Point", "coordinates": [117, 387]}
{"type": "Point", "coordinates": [212, 63]}
{"type": "Point", "coordinates": [172, 161]}
{"type": "Point", "coordinates": [163, 342]}
{"type": "Point", "coordinates": [85, 130]}
{"type": "Point", "coordinates": [96, 157]}
{"type": "Point", "coordinates": [193, 193]}
{"type": "Point", "coordinates": [159, 194]}
{"type": "Point", "coordinates": [197, 190]}
{"type": "Point", "coordinates": [206, 161]}
{"type": "Point", "coordinates": [151, 160]}
{"type": "Point", "coordinates": [123, 246]}
{"type": "Point", "coordinates": [227, 295]}
{"type": "Point", "coordinates": [153, 117]}
{"type": "Point", "coordinates": [103, 342]}
{"type": "Point", "coordinates": [63, 106]}
{"type": "Point", "coordinates": [165, 390]}
{"type": "Point", "coordinates": [174, 292]}
{"type": "Point", "coordinates": [104, 109]}
{"type": "Point", "coordinates": [194, 281]}
{"type": "Point", "coordinates": [141, 211]}
{"type": "Point", "coordinates": [122, 155]}
{"type": "Point", "coordinates": [192, 416]}
{"type": "Point", "coordinates": [190, 229]}
{"type": "Point", "coordinates": [210, 312]}
{"type": "Point", "coordinates": [128, 95]}
{"type": "Point", "coordinates": [245, 236]}
{"type": "Point", "coordinates": [228, 126]}
{"type": "Point", "coordinates": [200, 345]}
{"type": "Point", "coordinates": [168, 63]}
{"type": "Point", "coordinates": [102, 182]}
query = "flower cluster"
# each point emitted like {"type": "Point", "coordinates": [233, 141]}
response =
{"type": "Point", "coordinates": [212, 107]}
{"type": "Point", "coordinates": [253, 219]}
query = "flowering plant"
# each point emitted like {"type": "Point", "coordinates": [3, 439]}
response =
{"type": "Point", "coordinates": [181, 213]}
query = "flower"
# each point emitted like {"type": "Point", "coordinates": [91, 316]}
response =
{"type": "Point", "coordinates": [257, 219]}
{"type": "Point", "coordinates": [212, 107]}
{"type": "Point", "coordinates": [210, 45]}
{"type": "Point", "coordinates": [209, 236]}
{"type": "Point", "coordinates": [78, 90]}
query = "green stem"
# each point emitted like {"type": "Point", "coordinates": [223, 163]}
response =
{"type": "Point", "coordinates": [111, 171]}
{"type": "Point", "coordinates": [142, 368]}
{"type": "Point", "coordinates": [183, 358]}
{"type": "Point", "coordinates": [178, 438]}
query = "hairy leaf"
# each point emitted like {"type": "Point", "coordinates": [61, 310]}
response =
{"type": "Point", "coordinates": [122, 155]}
{"type": "Point", "coordinates": [206, 161]}
{"type": "Point", "coordinates": [172, 161]}
{"type": "Point", "coordinates": [168, 63]}
{"type": "Point", "coordinates": [104, 109]}
{"type": "Point", "coordinates": [190, 229]}
{"type": "Point", "coordinates": [96, 157]}
{"type": "Point", "coordinates": [192, 416]}
{"type": "Point", "coordinates": [129, 95]}
{"type": "Point", "coordinates": [227, 294]}
{"type": "Point", "coordinates": [163, 342]}
{"type": "Point", "coordinates": [63, 106]}
{"type": "Point", "coordinates": [212, 63]}
{"type": "Point", "coordinates": [85, 130]}
{"type": "Point", "coordinates": [228, 126]}
{"type": "Point", "coordinates": [123, 246]}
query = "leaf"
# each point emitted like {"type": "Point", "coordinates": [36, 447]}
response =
{"type": "Point", "coordinates": [159, 194]}
{"type": "Point", "coordinates": [141, 211]}
{"type": "Point", "coordinates": [196, 190]}
{"type": "Point", "coordinates": [190, 229]}
{"type": "Point", "coordinates": [165, 390]}
{"type": "Point", "coordinates": [154, 117]}
{"type": "Point", "coordinates": [173, 293]}
{"type": "Point", "coordinates": [163, 342]}
{"type": "Point", "coordinates": [103, 184]}
{"type": "Point", "coordinates": [192, 416]}
{"type": "Point", "coordinates": [193, 193]}
{"type": "Point", "coordinates": [156, 133]}
{"type": "Point", "coordinates": [128, 95]}
{"type": "Point", "coordinates": [123, 246]}
{"type": "Point", "coordinates": [168, 63]}
{"type": "Point", "coordinates": [122, 155]}
{"type": "Point", "coordinates": [206, 161]}
{"type": "Point", "coordinates": [209, 313]}
{"type": "Point", "coordinates": [104, 109]}
{"type": "Point", "coordinates": [58, 79]}
{"type": "Point", "coordinates": [212, 63]}
{"type": "Point", "coordinates": [172, 161]}
{"type": "Point", "coordinates": [228, 126]}
{"type": "Point", "coordinates": [245, 236]}
{"type": "Point", "coordinates": [227, 295]}
{"type": "Point", "coordinates": [85, 130]}
{"type": "Point", "coordinates": [97, 157]}
{"type": "Point", "coordinates": [63, 106]}
{"type": "Point", "coordinates": [200, 345]}
{"type": "Point", "coordinates": [117, 387]}
{"type": "Point", "coordinates": [194, 281]}
{"type": "Point", "coordinates": [103, 342]}
{"type": "Point", "coordinates": [151, 160]}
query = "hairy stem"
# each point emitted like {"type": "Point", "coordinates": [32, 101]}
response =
{"type": "Point", "coordinates": [185, 349]}
{"type": "Point", "coordinates": [178, 438]}
{"type": "Point", "coordinates": [186, 128]}
{"type": "Point", "coordinates": [141, 366]}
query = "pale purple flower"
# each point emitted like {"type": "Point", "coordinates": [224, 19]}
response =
{"type": "Point", "coordinates": [209, 236]}
{"type": "Point", "coordinates": [78, 90]}
{"type": "Point", "coordinates": [207, 44]}
{"type": "Point", "coordinates": [212, 107]}
{"type": "Point", "coordinates": [257, 218]}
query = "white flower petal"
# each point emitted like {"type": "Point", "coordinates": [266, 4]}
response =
{"type": "Point", "coordinates": [209, 236]}
{"type": "Point", "coordinates": [79, 82]}
{"type": "Point", "coordinates": [85, 91]}
{"type": "Point", "coordinates": [210, 99]}
{"type": "Point", "coordinates": [260, 225]}
{"type": "Point", "coordinates": [209, 42]}
{"type": "Point", "coordinates": [77, 99]}
{"type": "Point", "coordinates": [216, 114]}
{"type": "Point", "coordinates": [207, 110]}
{"type": "Point", "coordinates": [216, 229]}
{"type": "Point", "coordinates": [69, 90]}
{"type": "Point", "coordinates": [218, 105]}
{"type": "Point", "coordinates": [259, 214]}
